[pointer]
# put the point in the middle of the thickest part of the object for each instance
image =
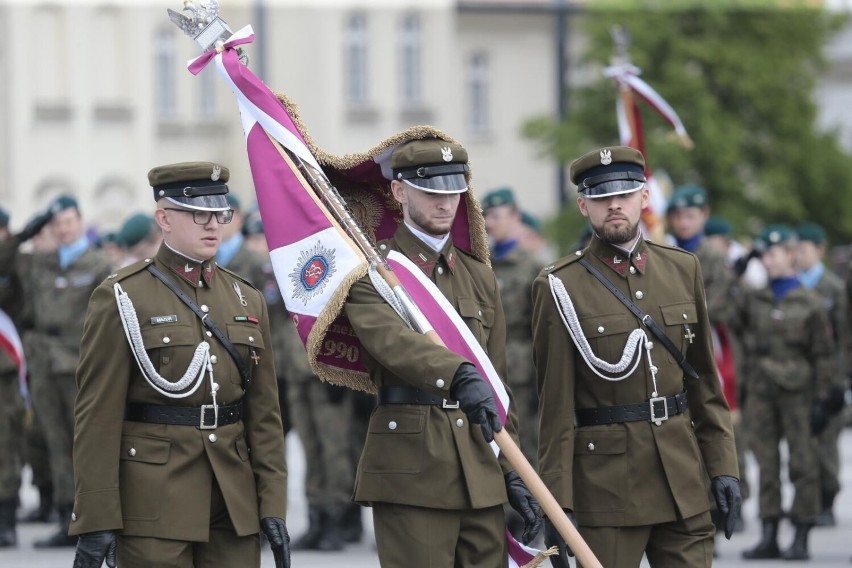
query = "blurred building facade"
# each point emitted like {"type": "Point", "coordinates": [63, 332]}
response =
{"type": "Point", "coordinates": [96, 92]}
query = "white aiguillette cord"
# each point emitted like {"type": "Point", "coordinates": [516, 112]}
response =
{"type": "Point", "coordinates": [637, 338]}
{"type": "Point", "coordinates": [194, 372]}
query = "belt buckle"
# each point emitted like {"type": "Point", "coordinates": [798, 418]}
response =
{"type": "Point", "coordinates": [202, 425]}
{"type": "Point", "coordinates": [449, 403]}
{"type": "Point", "coordinates": [658, 417]}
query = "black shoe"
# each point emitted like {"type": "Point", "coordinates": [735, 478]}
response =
{"type": "Point", "coordinates": [331, 540]}
{"type": "Point", "coordinates": [351, 526]}
{"type": "Point", "coordinates": [8, 536]}
{"type": "Point", "coordinates": [799, 548]}
{"type": "Point", "coordinates": [768, 545]}
{"type": "Point", "coordinates": [309, 540]}
{"type": "Point", "coordinates": [825, 519]}
{"type": "Point", "coordinates": [60, 538]}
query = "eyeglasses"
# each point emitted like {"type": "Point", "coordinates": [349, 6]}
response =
{"type": "Point", "coordinates": [204, 217]}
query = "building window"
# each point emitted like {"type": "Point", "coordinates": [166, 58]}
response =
{"type": "Point", "coordinates": [108, 75]}
{"type": "Point", "coordinates": [411, 72]}
{"type": "Point", "coordinates": [165, 80]}
{"type": "Point", "coordinates": [207, 93]}
{"type": "Point", "coordinates": [478, 85]}
{"type": "Point", "coordinates": [49, 48]}
{"type": "Point", "coordinates": [355, 59]}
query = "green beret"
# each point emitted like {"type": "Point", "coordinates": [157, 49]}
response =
{"type": "Point", "coordinates": [4, 218]}
{"type": "Point", "coordinates": [253, 225]}
{"type": "Point", "coordinates": [608, 171]}
{"type": "Point", "coordinates": [135, 229]}
{"type": "Point", "coordinates": [62, 203]}
{"type": "Point", "coordinates": [431, 164]}
{"type": "Point", "coordinates": [531, 221]}
{"type": "Point", "coordinates": [687, 196]}
{"type": "Point", "coordinates": [811, 232]}
{"type": "Point", "coordinates": [774, 235]}
{"type": "Point", "coordinates": [195, 185]}
{"type": "Point", "coordinates": [498, 197]}
{"type": "Point", "coordinates": [717, 226]}
{"type": "Point", "coordinates": [233, 201]}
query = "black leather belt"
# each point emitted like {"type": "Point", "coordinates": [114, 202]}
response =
{"type": "Point", "coordinates": [656, 410]}
{"type": "Point", "coordinates": [204, 417]}
{"type": "Point", "coordinates": [410, 395]}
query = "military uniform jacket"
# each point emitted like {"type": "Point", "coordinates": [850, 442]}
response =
{"type": "Point", "coordinates": [632, 473]}
{"type": "Point", "coordinates": [55, 299]}
{"type": "Point", "coordinates": [789, 344]}
{"type": "Point", "coordinates": [155, 480]}
{"type": "Point", "coordinates": [424, 455]}
{"type": "Point", "coordinates": [719, 281]}
{"type": "Point", "coordinates": [833, 292]}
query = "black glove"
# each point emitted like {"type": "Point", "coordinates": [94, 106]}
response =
{"type": "Point", "coordinates": [729, 501]}
{"type": "Point", "coordinates": [553, 538]}
{"type": "Point", "coordinates": [741, 264]}
{"type": "Point", "coordinates": [35, 225]}
{"type": "Point", "coordinates": [475, 399]}
{"type": "Point", "coordinates": [525, 504]}
{"type": "Point", "coordinates": [279, 541]}
{"type": "Point", "coordinates": [95, 547]}
{"type": "Point", "coordinates": [819, 417]}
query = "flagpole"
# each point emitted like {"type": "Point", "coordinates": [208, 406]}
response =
{"type": "Point", "coordinates": [329, 194]}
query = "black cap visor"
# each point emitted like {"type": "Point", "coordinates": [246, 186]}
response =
{"type": "Point", "coordinates": [203, 202]}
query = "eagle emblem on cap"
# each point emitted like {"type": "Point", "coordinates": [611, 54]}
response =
{"type": "Point", "coordinates": [217, 170]}
{"type": "Point", "coordinates": [447, 153]}
{"type": "Point", "coordinates": [606, 157]}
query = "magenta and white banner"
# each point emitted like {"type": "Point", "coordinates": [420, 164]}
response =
{"type": "Point", "coordinates": [10, 342]}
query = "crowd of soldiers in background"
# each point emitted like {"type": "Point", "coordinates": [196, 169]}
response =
{"type": "Point", "coordinates": [56, 252]}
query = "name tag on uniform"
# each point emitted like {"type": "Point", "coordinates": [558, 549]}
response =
{"type": "Point", "coordinates": [163, 319]}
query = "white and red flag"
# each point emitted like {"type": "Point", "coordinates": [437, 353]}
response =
{"type": "Point", "coordinates": [10, 342]}
{"type": "Point", "coordinates": [315, 259]}
{"type": "Point", "coordinates": [631, 133]}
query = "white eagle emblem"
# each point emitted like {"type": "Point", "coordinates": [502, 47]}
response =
{"type": "Point", "coordinates": [606, 157]}
{"type": "Point", "coordinates": [447, 153]}
{"type": "Point", "coordinates": [311, 272]}
{"type": "Point", "coordinates": [217, 170]}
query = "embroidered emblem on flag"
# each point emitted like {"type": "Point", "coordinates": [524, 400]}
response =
{"type": "Point", "coordinates": [312, 272]}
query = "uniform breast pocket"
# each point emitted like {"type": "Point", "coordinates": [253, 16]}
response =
{"type": "Point", "coordinates": [600, 469]}
{"type": "Point", "coordinates": [249, 343]}
{"type": "Point", "coordinates": [478, 316]}
{"type": "Point", "coordinates": [607, 334]}
{"type": "Point", "coordinates": [395, 440]}
{"type": "Point", "coordinates": [681, 325]}
{"type": "Point", "coordinates": [143, 473]}
{"type": "Point", "coordinates": [170, 348]}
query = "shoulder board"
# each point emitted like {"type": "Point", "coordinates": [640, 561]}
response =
{"type": "Point", "coordinates": [235, 275]}
{"type": "Point", "coordinates": [562, 262]}
{"type": "Point", "coordinates": [128, 270]}
{"type": "Point", "coordinates": [384, 247]}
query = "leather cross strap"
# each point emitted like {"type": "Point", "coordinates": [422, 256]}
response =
{"type": "Point", "coordinates": [646, 320]}
{"type": "Point", "coordinates": [208, 323]}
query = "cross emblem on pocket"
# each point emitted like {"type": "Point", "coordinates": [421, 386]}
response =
{"type": "Point", "coordinates": [688, 335]}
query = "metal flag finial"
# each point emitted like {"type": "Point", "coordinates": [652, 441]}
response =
{"type": "Point", "coordinates": [203, 23]}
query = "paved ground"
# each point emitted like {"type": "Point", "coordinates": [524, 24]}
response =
{"type": "Point", "coordinates": [830, 548]}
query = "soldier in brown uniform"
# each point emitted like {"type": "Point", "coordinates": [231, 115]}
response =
{"type": "Point", "coordinates": [792, 365]}
{"type": "Point", "coordinates": [178, 447]}
{"type": "Point", "coordinates": [59, 284]}
{"type": "Point", "coordinates": [630, 430]}
{"type": "Point", "coordinates": [433, 481]}
{"type": "Point", "coordinates": [813, 274]}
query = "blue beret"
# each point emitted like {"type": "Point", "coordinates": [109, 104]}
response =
{"type": "Point", "coordinates": [717, 226]}
{"type": "Point", "coordinates": [811, 232]}
{"type": "Point", "coordinates": [62, 203]}
{"type": "Point", "coordinates": [498, 197]}
{"type": "Point", "coordinates": [774, 235]}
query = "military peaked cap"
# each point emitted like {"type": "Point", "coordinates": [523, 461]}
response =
{"type": "Point", "coordinates": [194, 185]}
{"type": "Point", "coordinates": [608, 171]}
{"type": "Point", "coordinates": [432, 165]}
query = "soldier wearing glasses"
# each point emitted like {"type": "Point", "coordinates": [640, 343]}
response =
{"type": "Point", "coordinates": [178, 446]}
